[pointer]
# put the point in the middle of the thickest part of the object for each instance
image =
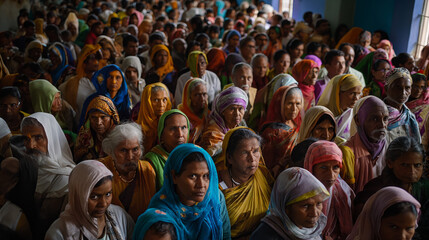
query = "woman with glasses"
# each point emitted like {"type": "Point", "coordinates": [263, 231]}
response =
{"type": "Point", "coordinates": [10, 108]}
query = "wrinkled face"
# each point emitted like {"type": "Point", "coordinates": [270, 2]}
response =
{"type": "Point", "coordinates": [306, 213]}
{"type": "Point", "coordinates": [399, 90]}
{"type": "Point", "coordinates": [379, 74]}
{"type": "Point", "coordinates": [243, 78]}
{"type": "Point", "coordinates": [175, 132]}
{"type": "Point", "coordinates": [57, 103]}
{"type": "Point", "coordinates": [311, 77]}
{"type": "Point", "coordinates": [292, 106]}
{"type": "Point", "coordinates": [9, 108]}
{"type": "Point", "coordinates": [161, 58]}
{"type": "Point", "coordinates": [131, 49]}
{"type": "Point", "coordinates": [375, 124]}
{"type": "Point", "coordinates": [234, 41]}
{"type": "Point", "coordinates": [202, 65]}
{"type": "Point", "coordinates": [282, 65]}
{"type": "Point", "coordinates": [100, 123]}
{"type": "Point", "coordinates": [349, 55]}
{"type": "Point", "coordinates": [192, 183]}
{"type": "Point", "coordinates": [100, 199]}
{"type": "Point", "coordinates": [114, 82]}
{"type": "Point", "coordinates": [336, 67]}
{"type": "Point", "coordinates": [260, 67]}
{"type": "Point", "coordinates": [199, 98]}
{"type": "Point", "coordinates": [35, 54]}
{"type": "Point", "coordinates": [127, 155]}
{"type": "Point", "coordinates": [349, 98]}
{"type": "Point", "coordinates": [132, 74]}
{"type": "Point", "coordinates": [233, 115]}
{"type": "Point", "coordinates": [408, 167]}
{"type": "Point", "coordinates": [324, 130]}
{"type": "Point", "coordinates": [327, 172]}
{"type": "Point", "coordinates": [398, 227]}
{"type": "Point", "coordinates": [297, 52]}
{"type": "Point", "coordinates": [245, 158]}
{"type": "Point", "coordinates": [36, 141]}
{"type": "Point", "coordinates": [159, 101]}
{"type": "Point", "coordinates": [417, 89]}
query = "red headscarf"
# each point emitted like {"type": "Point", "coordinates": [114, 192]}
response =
{"type": "Point", "coordinates": [216, 60]}
{"type": "Point", "coordinates": [300, 72]}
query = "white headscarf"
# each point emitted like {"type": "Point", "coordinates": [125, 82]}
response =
{"type": "Point", "coordinates": [4, 128]}
{"type": "Point", "coordinates": [132, 61]}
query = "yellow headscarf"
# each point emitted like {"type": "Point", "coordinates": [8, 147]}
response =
{"type": "Point", "coordinates": [168, 67]}
{"type": "Point", "coordinates": [310, 119]}
{"type": "Point", "coordinates": [193, 62]}
{"type": "Point", "coordinates": [113, 15]}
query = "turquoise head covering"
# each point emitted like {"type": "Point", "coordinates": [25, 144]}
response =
{"type": "Point", "coordinates": [150, 217]}
{"type": "Point", "coordinates": [201, 221]}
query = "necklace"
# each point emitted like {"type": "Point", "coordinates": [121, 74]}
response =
{"type": "Point", "coordinates": [122, 178]}
{"type": "Point", "coordinates": [234, 183]}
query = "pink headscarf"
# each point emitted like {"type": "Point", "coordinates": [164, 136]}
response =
{"type": "Point", "coordinates": [369, 221]}
{"type": "Point", "coordinates": [81, 183]}
{"type": "Point", "coordinates": [384, 43]}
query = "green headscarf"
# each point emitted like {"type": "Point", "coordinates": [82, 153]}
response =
{"type": "Point", "coordinates": [193, 62]}
{"type": "Point", "coordinates": [161, 123]}
{"type": "Point", "coordinates": [42, 94]}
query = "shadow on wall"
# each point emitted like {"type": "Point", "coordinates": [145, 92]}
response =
{"type": "Point", "coordinates": [9, 10]}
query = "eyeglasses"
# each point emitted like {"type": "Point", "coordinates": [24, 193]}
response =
{"type": "Point", "coordinates": [11, 106]}
{"type": "Point", "coordinates": [383, 70]}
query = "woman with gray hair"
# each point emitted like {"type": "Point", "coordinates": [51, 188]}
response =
{"type": "Point", "coordinates": [133, 182]}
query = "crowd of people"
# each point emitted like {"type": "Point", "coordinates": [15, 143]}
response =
{"type": "Point", "coordinates": [208, 120]}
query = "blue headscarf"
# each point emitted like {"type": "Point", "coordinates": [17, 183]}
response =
{"type": "Point", "coordinates": [121, 100]}
{"type": "Point", "coordinates": [150, 217]}
{"type": "Point", "coordinates": [61, 51]}
{"type": "Point", "coordinates": [201, 221]}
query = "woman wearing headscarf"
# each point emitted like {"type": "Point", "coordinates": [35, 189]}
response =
{"type": "Point", "coordinates": [195, 106]}
{"type": "Point", "coordinates": [233, 40]}
{"type": "Point", "coordinates": [154, 102]}
{"type": "Point", "coordinates": [89, 214]}
{"type": "Point", "coordinates": [378, 78]}
{"type": "Point", "coordinates": [365, 65]}
{"type": "Point", "coordinates": [264, 96]}
{"type": "Point", "coordinates": [280, 130]}
{"type": "Point", "coordinates": [339, 96]}
{"type": "Point", "coordinates": [216, 58]}
{"type": "Point", "coordinates": [402, 121]}
{"type": "Point", "coordinates": [40, 34]}
{"type": "Point", "coordinates": [45, 97]}
{"type": "Point", "coordinates": [101, 116]}
{"type": "Point", "coordinates": [155, 223]}
{"type": "Point", "coordinates": [107, 49]}
{"type": "Point", "coordinates": [162, 67]}
{"type": "Point", "coordinates": [227, 113]}
{"type": "Point", "coordinates": [33, 53]}
{"type": "Point", "coordinates": [110, 82]}
{"type": "Point", "coordinates": [61, 66]}
{"type": "Point", "coordinates": [145, 29]}
{"type": "Point", "coordinates": [324, 160]}
{"type": "Point", "coordinates": [294, 188]}
{"type": "Point", "coordinates": [132, 68]}
{"type": "Point", "coordinates": [306, 72]}
{"type": "Point", "coordinates": [389, 206]}
{"type": "Point", "coordinates": [245, 182]}
{"type": "Point", "coordinates": [72, 24]}
{"type": "Point", "coordinates": [387, 46]}
{"type": "Point", "coordinates": [352, 37]}
{"type": "Point", "coordinates": [202, 215]}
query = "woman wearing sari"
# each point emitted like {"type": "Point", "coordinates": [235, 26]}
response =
{"type": "Point", "coordinates": [295, 187]}
{"type": "Point", "coordinates": [391, 206]}
{"type": "Point", "coordinates": [339, 96]}
{"type": "Point", "coordinates": [154, 102]}
{"type": "Point", "coordinates": [100, 117]}
{"type": "Point", "coordinates": [196, 204]}
{"type": "Point", "coordinates": [108, 49]}
{"type": "Point", "coordinates": [402, 122]}
{"type": "Point", "coordinates": [61, 67]}
{"type": "Point", "coordinates": [155, 224]}
{"type": "Point", "coordinates": [195, 106]}
{"type": "Point", "coordinates": [89, 214]}
{"type": "Point", "coordinates": [33, 53]}
{"type": "Point", "coordinates": [280, 130]}
{"type": "Point", "coordinates": [387, 46]}
{"type": "Point", "coordinates": [264, 96]}
{"type": "Point", "coordinates": [378, 79]}
{"type": "Point", "coordinates": [306, 72]}
{"type": "Point", "coordinates": [366, 64]}
{"type": "Point", "coordinates": [216, 58]}
{"type": "Point", "coordinates": [162, 67]}
{"type": "Point", "coordinates": [324, 160]}
{"type": "Point", "coordinates": [227, 113]}
{"type": "Point", "coordinates": [244, 180]}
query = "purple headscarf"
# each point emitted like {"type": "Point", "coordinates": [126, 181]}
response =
{"type": "Point", "coordinates": [315, 58]}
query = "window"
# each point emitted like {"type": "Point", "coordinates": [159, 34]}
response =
{"type": "Point", "coordinates": [423, 39]}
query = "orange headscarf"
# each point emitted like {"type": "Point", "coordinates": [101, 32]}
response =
{"type": "Point", "coordinates": [352, 37]}
{"type": "Point", "coordinates": [216, 60]}
{"type": "Point", "coordinates": [168, 67]}
{"type": "Point", "coordinates": [276, 109]}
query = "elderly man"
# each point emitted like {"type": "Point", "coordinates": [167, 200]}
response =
{"type": "Point", "coordinates": [242, 77]}
{"type": "Point", "coordinates": [173, 130]}
{"type": "Point", "coordinates": [46, 142]}
{"type": "Point", "coordinates": [369, 143]}
{"type": "Point", "coordinates": [133, 180]}
{"type": "Point", "coordinates": [260, 69]}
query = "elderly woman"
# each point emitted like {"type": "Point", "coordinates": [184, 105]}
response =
{"type": "Point", "coordinates": [402, 121]}
{"type": "Point", "coordinates": [418, 103]}
{"type": "Point", "coordinates": [295, 210]}
{"type": "Point", "coordinates": [306, 72]}
{"type": "Point", "coordinates": [244, 180]}
{"type": "Point", "coordinates": [89, 213]}
{"type": "Point", "coordinates": [339, 96]}
{"type": "Point", "coordinates": [100, 117]}
{"type": "Point", "coordinates": [61, 63]}
{"type": "Point", "coordinates": [173, 130]}
{"type": "Point", "coordinates": [133, 180]}
{"type": "Point", "coordinates": [389, 213]}
{"type": "Point", "coordinates": [10, 108]}
{"type": "Point", "coordinates": [197, 62]}
{"type": "Point", "coordinates": [110, 82]}
{"type": "Point", "coordinates": [132, 68]}
{"type": "Point", "coordinates": [405, 165]}
{"type": "Point", "coordinates": [319, 123]}
{"type": "Point", "coordinates": [280, 130]}
{"type": "Point", "coordinates": [162, 67]}
{"type": "Point", "coordinates": [154, 102]}
{"type": "Point", "coordinates": [195, 106]}
{"type": "Point", "coordinates": [45, 97]}
{"type": "Point", "coordinates": [324, 160]}
{"type": "Point", "coordinates": [190, 195]}
{"type": "Point", "coordinates": [227, 113]}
